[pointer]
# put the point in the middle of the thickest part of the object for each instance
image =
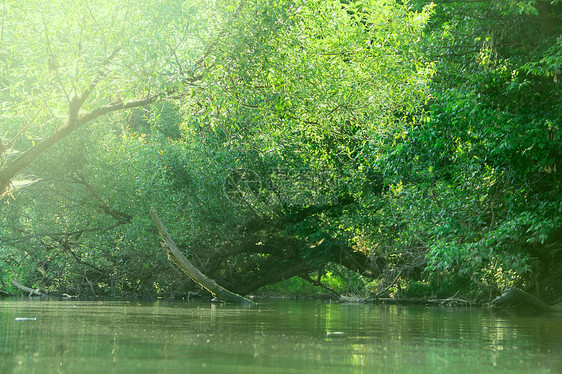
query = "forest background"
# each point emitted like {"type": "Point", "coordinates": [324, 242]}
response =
{"type": "Point", "coordinates": [376, 147]}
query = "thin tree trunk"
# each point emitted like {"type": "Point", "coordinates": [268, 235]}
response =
{"type": "Point", "coordinates": [187, 267]}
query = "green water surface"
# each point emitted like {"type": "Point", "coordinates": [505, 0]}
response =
{"type": "Point", "coordinates": [273, 337]}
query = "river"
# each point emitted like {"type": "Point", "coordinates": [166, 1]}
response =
{"type": "Point", "coordinates": [281, 336]}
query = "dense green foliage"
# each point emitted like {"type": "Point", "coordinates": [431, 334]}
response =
{"type": "Point", "coordinates": [383, 147]}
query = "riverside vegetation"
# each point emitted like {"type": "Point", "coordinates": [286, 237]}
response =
{"type": "Point", "coordinates": [367, 148]}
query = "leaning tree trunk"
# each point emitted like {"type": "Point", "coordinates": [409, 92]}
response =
{"type": "Point", "coordinates": [187, 267]}
{"type": "Point", "coordinates": [29, 291]}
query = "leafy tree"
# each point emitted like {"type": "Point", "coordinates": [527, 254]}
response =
{"type": "Point", "coordinates": [412, 143]}
{"type": "Point", "coordinates": [66, 65]}
{"type": "Point", "coordinates": [303, 86]}
{"type": "Point", "coordinates": [487, 154]}
{"type": "Point", "coordinates": [299, 93]}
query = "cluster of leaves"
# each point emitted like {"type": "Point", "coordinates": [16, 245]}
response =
{"type": "Point", "coordinates": [485, 158]}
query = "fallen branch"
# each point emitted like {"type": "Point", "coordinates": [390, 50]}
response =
{"type": "Point", "coordinates": [187, 267]}
{"type": "Point", "coordinates": [451, 301]}
{"type": "Point", "coordinates": [30, 291]}
{"type": "Point", "coordinates": [397, 300]}
{"type": "Point", "coordinates": [353, 299]}
{"type": "Point", "coordinates": [5, 294]}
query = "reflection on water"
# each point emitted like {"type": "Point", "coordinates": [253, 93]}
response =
{"type": "Point", "coordinates": [274, 337]}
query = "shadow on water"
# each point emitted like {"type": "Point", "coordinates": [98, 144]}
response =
{"type": "Point", "coordinates": [273, 337]}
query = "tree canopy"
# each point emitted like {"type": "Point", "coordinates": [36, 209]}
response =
{"type": "Point", "coordinates": [408, 147]}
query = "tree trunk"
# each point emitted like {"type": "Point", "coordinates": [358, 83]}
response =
{"type": "Point", "coordinates": [187, 267]}
{"type": "Point", "coordinates": [269, 275]}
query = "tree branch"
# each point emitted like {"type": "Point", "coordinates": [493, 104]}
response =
{"type": "Point", "coordinates": [119, 216]}
{"type": "Point", "coordinates": [73, 123]}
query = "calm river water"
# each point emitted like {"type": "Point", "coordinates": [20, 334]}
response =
{"type": "Point", "coordinates": [47, 336]}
